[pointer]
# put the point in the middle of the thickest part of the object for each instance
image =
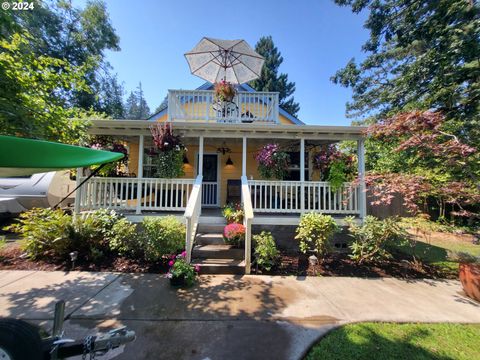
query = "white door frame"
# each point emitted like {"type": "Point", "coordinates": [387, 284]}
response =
{"type": "Point", "coordinates": [218, 175]}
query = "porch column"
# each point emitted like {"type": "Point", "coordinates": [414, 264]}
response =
{"type": "Point", "coordinates": [362, 196]}
{"type": "Point", "coordinates": [200, 156]}
{"type": "Point", "coordinates": [140, 174]}
{"type": "Point", "coordinates": [302, 173]}
{"type": "Point", "coordinates": [78, 192]}
{"type": "Point", "coordinates": [244, 157]}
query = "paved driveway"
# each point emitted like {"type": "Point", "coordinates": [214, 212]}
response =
{"type": "Point", "coordinates": [234, 317]}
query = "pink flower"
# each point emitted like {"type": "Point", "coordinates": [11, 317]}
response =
{"type": "Point", "coordinates": [184, 253]}
{"type": "Point", "coordinates": [173, 256]}
{"type": "Point", "coordinates": [197, 268]}
{"type": "Point", "coordinates": [171, 262]}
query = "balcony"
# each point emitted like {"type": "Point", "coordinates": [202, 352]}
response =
{"type": "Point", "coordinates": [200, 106]}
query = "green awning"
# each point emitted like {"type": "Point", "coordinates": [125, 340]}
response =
{"type": "Point", "coordinates": [20, 156]}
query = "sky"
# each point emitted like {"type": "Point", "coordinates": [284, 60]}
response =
{"type": "Point", "coordinates": [315, 38]}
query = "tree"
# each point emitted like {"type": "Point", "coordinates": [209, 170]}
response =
{"type": "Point", "coordinates": [33, 93]}
{"type": "Point", "coordinates": [136, 106]}
{"type": "Point", "coordinates": [270, 80]}
{"type": "Point", "coordinates": [75, 35]}
{"type": "Point", "coordinates": [421, 55]}
{"type": "Point", "coordinates": [437, 166]}
{"type": "Point", "coordinates": [111, 97]}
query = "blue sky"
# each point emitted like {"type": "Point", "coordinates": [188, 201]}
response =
{"type": "Point", "coordinates": [315, 37]}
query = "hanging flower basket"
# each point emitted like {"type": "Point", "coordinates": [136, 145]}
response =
{"type": "Point", "coordinates": [224, 91]}
{"type": "Point", "coordinates": [272, 162]}
{"type": "Point", "coordinates": [168, 151]}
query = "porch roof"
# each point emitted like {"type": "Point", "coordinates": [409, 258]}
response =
{"type": "Point", "coordinates": [218, 130]}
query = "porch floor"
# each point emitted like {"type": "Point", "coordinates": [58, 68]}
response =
{"type": "Point", "coordinates": [214, 216]}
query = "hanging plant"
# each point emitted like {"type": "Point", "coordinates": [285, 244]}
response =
{"type": "Point", "coordinates": [335, 166]}
{"type": "Point", "coordinates": [224, 91]}
{"type": "Point", "coordinates": [272, 162]}
{"type": "Point", "coordinates": [168, 151]}
{"type": "Point", "coordinates": [108, 143]}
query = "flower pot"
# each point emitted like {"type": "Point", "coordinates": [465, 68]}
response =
{"type": "Point", "coordinates": [470, 278]}
{"type": "Point", "coordinates": [177, 281]}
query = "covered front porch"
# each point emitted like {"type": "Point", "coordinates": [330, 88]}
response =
{"type": "Point", "coordinates": [213, 179]}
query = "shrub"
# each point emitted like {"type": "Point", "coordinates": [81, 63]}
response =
{"type": "Point", "coordinates": [54, 234]}
{"type": "Point", "coordinates": [266, 252]}
{"type": "Point", "coordinates": [162, 236]}
{"type": "Point", "coordinates": [371, 240]}
{"type": "Point", "coordinates": [233, 213]}
{"type": "Point", "coordinates": [234, 234]}
{"type": "Point", "coordinates": [45, 232]}
{"type": "Point", "coordinates": [315, 231]}
{"type": "Point", "coordinates": [125, 239]}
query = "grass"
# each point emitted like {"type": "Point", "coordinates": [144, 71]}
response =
{"type": "Point", "coordinates": [372, 341]}
{"type": "Point", "coordinates": [432, 249]}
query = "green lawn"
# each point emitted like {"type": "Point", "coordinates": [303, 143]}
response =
{"type": "Point", "coordinates": [433, 250]}
{"type": "Point", "coordinates": [372, 341]}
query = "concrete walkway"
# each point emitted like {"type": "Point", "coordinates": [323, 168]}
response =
{"type": "Point", "coordinates": [226, 317]}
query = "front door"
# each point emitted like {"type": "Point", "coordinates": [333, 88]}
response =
{"type": "Point", "coordinates": [210, 180]}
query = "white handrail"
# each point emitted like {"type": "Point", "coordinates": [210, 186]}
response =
{"type": "Point", "coordinates": [192, 215]}
{"type": "Point", "coordinates": [247, 222]}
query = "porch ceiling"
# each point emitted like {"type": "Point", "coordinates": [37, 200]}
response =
{"type": "Point", "coordinates": [214, 130]}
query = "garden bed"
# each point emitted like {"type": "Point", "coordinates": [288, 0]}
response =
{"type": "Point", "coordinates": [11, 259]}
{"type": "Point", "coordinates": [339, 264]}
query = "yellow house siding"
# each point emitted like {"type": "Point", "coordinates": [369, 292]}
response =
{"type": "Point", "coordinates": [284, 121]}
{"type": "Point", "coordinates": [133, 158]}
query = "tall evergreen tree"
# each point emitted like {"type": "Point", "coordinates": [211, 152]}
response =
{"type": "Point", "coordinates": [421, 54]}
{"type": "Point", "coordinates": [271, 80]}
{"type": "Point", "coordinates": [111, 97]}
{"type": "Point", "coordinates": [136, 106]}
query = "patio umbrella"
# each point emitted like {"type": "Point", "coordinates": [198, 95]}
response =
{"type": "Point", "coordinates": [233, 61]}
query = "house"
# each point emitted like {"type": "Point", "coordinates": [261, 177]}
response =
{"type": "Point", "coordinates": [221, 140]}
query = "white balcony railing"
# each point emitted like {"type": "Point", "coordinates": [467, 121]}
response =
{"type": "Point", "coordinates": [200, 105]}
{"type": "Point", "coordinates": [286, 197]}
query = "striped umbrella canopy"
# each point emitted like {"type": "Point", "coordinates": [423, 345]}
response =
{"type": "Point", "coordinates": [233, 61]}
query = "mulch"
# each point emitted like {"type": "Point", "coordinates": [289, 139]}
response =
{"type": "Point", "coordinates": [339, 264]}
{"type": "Point", "coordinates": [291, 263]}
{"type": "Point", "coordinates": [12, 258]}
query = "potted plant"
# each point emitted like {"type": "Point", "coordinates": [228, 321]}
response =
{"type": "Point", "coordinates": [469, 273]}
{"type": "Point", "coordinates": [181, 273]}
{"type": "Point", "coordinates": [272, 162]}
{"type": "Point", "coordinates": [233, 213]}
{"type": "Point", "coordinates": [224, 91]}
{"type": "Point", "coordinates": [234, 234]}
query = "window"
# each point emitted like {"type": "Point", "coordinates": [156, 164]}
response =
{"type": "Point", "coordinates": [294, 169]}
{"type": "Point", "coordinates": [149, 167]}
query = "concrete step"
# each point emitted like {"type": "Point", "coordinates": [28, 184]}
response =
{"type": "Point", "coordinates": [209, 239]}
{"type": "Point", "coordinates": [211, 227]}
{"type": "Point", "coordinates": [220, 266]}
{"type": "Point", "coordinates": [220, 251]}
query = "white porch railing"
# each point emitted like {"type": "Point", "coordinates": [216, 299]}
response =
{"type": "Point", "coordinates": [285, 197]}
{"type": "Point", "coordinates": [192, 214]}
{"type": "Point", "coordinates": [122, 194]}
{"type": "Point", "coordinates": [247, 222]}
{"type": "Point", "coordinates": [210, 194]}
{"type": "Point", "coordinates": [200, 105]}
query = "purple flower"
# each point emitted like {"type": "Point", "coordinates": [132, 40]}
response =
{"type": "Point", "coordinates": [171, 262]}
